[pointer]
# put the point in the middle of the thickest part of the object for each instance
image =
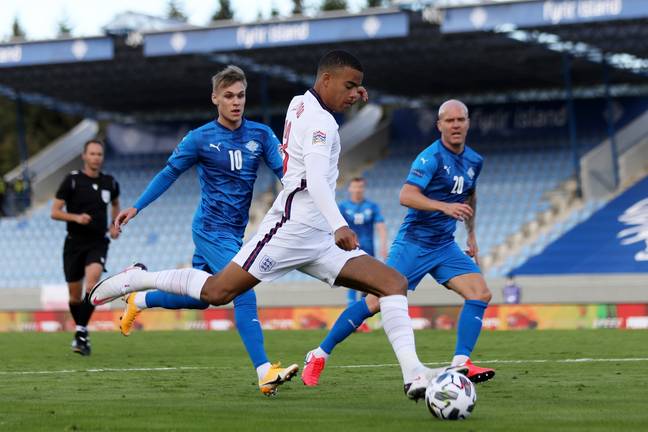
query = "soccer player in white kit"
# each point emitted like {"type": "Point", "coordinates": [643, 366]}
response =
{"type": "Point", "coordinates": [304, 229]}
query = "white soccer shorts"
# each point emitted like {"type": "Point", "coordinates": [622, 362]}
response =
{"type": "Point", "coordinates": [281, 245]}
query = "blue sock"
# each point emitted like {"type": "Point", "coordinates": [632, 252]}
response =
{"type": "Point", "coordinates": [469, 326]}
{"type": "Point", "coordinates": [346, 324]}
{"type": "Point", "coordinates": [167, 300]}
{"type": "Point", "coordinates": [249, 327]}
{"type": "Point", "coordinates": [352, 297]}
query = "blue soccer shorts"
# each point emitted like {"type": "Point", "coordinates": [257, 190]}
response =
{"type": "Point", "coordinates": [443, 263]}
{"type": "Point", "coordinates": [214, 250]}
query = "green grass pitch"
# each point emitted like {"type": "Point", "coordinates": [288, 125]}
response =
{"type": "Point", "coordinates": [203, 381]}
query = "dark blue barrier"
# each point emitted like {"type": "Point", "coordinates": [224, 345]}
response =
{"type": "Point", "coordinates": [613, 240]}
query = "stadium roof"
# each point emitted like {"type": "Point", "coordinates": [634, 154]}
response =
{"type": "Point", "coordinates": [409, 56]}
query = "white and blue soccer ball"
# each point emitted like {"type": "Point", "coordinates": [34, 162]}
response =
{"type": "Point", "coordinates": [451, 396]}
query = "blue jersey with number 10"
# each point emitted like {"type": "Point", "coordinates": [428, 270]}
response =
{"type": "Point", "coordinates": [442, 176]}
{"type": "Point", "coordinates": [227, 163]}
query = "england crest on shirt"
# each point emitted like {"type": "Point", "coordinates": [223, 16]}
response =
{"type": "Point", "coordinates": [266, 264]}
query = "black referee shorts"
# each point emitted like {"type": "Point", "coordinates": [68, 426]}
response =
{"type": "Point", "coordinates": [79, 252]}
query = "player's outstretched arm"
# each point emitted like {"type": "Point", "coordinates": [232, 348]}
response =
{"type": "Point", "coordinates": [412, 197]}
{"type": "Point", "coordinates": [124, 217]}
{"type": "Point", "coordinates": [160, 183]}
{"type": "Point", "coordinates": [183, 158]}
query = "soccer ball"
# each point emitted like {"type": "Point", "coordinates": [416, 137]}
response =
{"type": "Point", "coordinates": [451, 396]}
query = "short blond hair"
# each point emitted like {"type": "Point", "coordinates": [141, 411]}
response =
{"type": "Point", "coordinates": [228, 76]}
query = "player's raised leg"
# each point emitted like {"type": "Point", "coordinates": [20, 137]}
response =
{"type": "Point", "coordinates": [217, 290]}
{"type": "Point", "coordinates": [472, 287]}
{"type": "Point", "coordinates": [219, 254]}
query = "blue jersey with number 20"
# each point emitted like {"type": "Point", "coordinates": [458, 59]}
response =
{"type": "Point", "coordinates": [442, 176]}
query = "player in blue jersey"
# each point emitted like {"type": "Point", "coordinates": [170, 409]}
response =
{"type": "Point", "coordinates": [440, 189]}
{"type": "Point", "coordinates": [363, 216]}
{"type": "Point", "coordinates": [227, 153]}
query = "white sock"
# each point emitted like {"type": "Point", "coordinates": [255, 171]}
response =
{"type": "Point", "coordinates": [263, 370]}
{"type": "Point", "coordinates": [398, 327]}
{"type": "Point", "coordinates": [140, 300]}
{"type": "Point", "coordinates": [187, 282]}
{"type": "Point", "coordinates": [82, 329]}
{"type": "Point", "coordinates": [459, 359]}
{"type": "Point", "coordinates": [319, 352]}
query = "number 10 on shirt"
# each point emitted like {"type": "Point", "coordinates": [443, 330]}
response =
{"type": "Point", "coordinates": [236, 159]}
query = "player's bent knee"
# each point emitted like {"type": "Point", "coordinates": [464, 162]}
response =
{"type": "Point", "coordinates": [486, 296]}
{"type": "Point", "coordinates": [402, 284]}
{"type": "Point", "coordinates": [212, 294]}
{"type": "Point", "coordinates": [214, 298]}
{"type": "Point", "coordinates": [481, 293]}
{"type": "Point", "coordinates": [397, 285]}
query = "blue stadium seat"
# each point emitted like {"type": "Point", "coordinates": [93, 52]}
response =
{"type": "Point", "coordinates": [518, 171]}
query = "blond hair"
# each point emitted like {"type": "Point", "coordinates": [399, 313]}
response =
{"type": "Point", "coordinates": [228, 76]}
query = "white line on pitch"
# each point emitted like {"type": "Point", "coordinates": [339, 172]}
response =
{"type": "Point", "coordinates": [95, 370]}
{"type": "Point", "coordinates": [360, 366]}
{"type": "Point", "coordinates": [580, 360]}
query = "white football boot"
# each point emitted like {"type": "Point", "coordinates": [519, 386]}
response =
{"type": "Point", "coordinates": [415, 389]}
{"type": "Point", "coordinates": [115, 286]}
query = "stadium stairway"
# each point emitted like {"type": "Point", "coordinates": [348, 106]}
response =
{"type": "Point", "coordinates": [598, 238]}
{"type": "Point", "coordinates": [48, 168]}
{"type": "Point", "coordinates": [568, 207]}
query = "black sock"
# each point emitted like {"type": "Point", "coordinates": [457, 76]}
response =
{"type": "Point", "coordinates": [86, 312]}
{"type": "Point", "coordinates": [76, 309]}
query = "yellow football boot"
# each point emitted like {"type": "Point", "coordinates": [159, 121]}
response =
{"type": "Point", "coordinates": [276, 376]}
{"type": "Point", "coordinates": [127, 320]}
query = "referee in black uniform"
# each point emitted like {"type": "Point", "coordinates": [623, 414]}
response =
{"type": "Point", "coordinates": [85, 195]}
